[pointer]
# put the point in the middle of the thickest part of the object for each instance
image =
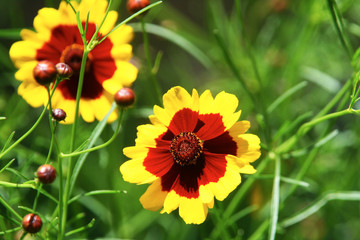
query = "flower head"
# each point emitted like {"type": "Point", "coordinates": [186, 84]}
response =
{"type": "Point", "coordinates": [57, 39]}
{"type": "Point", "coordinates": [194, 150]}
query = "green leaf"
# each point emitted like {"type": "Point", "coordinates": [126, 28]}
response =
{"type": "Point", "coordinates": [93, 138]}
{"type": "Point", "coordinates": [8, 141]}
{"type": "Point", "coordinates": [176, 39]}
{"type": "Point", "coordinates": [316, 206]}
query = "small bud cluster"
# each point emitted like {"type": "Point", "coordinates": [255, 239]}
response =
{"type": "Point", "coordinates": [45, 72]}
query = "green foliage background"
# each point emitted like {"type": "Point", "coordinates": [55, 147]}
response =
{"type": "Point", "coordinates": [293, 45]}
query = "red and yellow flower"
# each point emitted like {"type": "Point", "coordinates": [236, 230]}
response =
{"type": "Point", "coordinates": [56, 38]}
{"type": "Point", "coordinates": [194, 150]}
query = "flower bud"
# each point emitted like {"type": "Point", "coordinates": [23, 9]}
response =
{"type": "Point", "coordinates": [58, 114]}
{"type": "Point", "coordinates": [124, 97]}
{"type": "Point", "coordinates": [32, 223]}
{"type": "Point", "coordinates": [46, 173]}
{"type": "Point", "coordinates": [64, 71]}
{"type": "Point", "coordinates": [44, 72]}
{"type": "Point", "coordinates": [134, 6]}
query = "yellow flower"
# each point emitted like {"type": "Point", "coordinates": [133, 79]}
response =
{"type": "Point", "coordinates": [56, 38]}
{"type": "Point", "coordinates": [193, 151]}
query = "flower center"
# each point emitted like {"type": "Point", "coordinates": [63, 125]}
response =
{"type": "Point", "coordinates": [186, 148]}
{"type": "Point", "coordinates": [72, 56]}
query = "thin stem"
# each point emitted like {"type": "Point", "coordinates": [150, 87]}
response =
{"type": "Point", "coordinates": [26, 134]}
{"type": "Point", "coordinates": [66, 196]}
{"type": "Point", "coordinates": [339, 25]}
{"type": "Point", "coordinates": [233, 67]}
{"type": "Point", "coordinates": [10, 209]}
{"type": "Point", "coordinates": [154, 81]}
{"type": "Point", "coordinates": [275, 199]}
{"type": "Point", "coordinates": [62, 155]}
{"type": "Point", "coordinates": [129, 18]}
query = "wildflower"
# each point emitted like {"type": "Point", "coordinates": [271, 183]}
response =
{"type": "Point", "coordinates": [193, 151]}
{"type": "Point", "coordinates": [57, 39]}
{"type": "Point", "coordinates": [32, 223]}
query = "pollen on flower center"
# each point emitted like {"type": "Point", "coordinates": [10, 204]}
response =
{"type": "Point", "coordinates": [72, 56]}
{"type": "Point", "coordinates": [186, 148]}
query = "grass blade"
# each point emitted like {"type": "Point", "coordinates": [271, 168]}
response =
{"type": "Point", "coordinates": [316, 206]}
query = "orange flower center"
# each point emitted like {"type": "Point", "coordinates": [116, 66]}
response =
{"type": "Point", "coordinates": [72, 56]}
{"type": "Point", "coordinates": [186, 148]}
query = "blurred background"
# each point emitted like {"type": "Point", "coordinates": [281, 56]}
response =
{"type": "Point", "coordinates": [293, 42]}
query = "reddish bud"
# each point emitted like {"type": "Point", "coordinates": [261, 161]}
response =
{"type": "Point", "coordinates": [44, 72]}
{"type": "Point", "coordinates": [46, 173]}
{"type": "Point", "coordinates": [32, 223]}
{"type": "Point", "coordinates": [125, 97]}
{"type": "Point", "coordinates": [64, 71]}
{"type": "Point", "coordinates": [134, 6]}
{"type": "Point", "coordinates": [58, 114]}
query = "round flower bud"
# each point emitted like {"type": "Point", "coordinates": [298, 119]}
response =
{"type": "Point", "coordinates": [45, 72]}
{"type": "Point", "coordinates": [32, 223]}
{"type": "Point", "coordinates": [64, 71]}
{"type": "Point", "coordinates": [124, 97]}
{"type": "Point", "coordinates": [46, 173]}
{"type": "Point", "coordinates": [134, 6]}
{"type": "Point", "coordinates": [58, 114]}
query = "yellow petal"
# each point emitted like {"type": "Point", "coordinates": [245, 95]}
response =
{"type": "Point", "coordinates": [36, 95]}
{"type": "Point", "coordinates": [124, 76]}
{"type": "Point", "coordinates": [109, 22]}
{"type": "Point", "coordinates": [87, 111]}
{"type": "Point", "coordinates": [226, 184]}
{"type": "Point", "coordinates": [193, 211]}
{"type": "Point", "coordinates": [178, 98]}
{"type": "Point", "coordinates": [147, 134]}
{"type": "Point", "coordinates": [23, 51]}
{"type": "Point", "coordinates": [136, 152]}
{"type": "Point", "coordinates": [153, 198]}
{"type": "Point", "coordinates": [69, 107]}
{"type": "Point", "coordinates": [122, 35]}
{"type": "Point", "coordinates": [248, 147]}
{"type": "Point", "coordinates": [224, 104]}
{"type": "Point", "coordinates": [133, 171]}
{"type": "Point", "coordinates": [171, 202]}
{"type": "Point", "coordinates": [206, 194]}
{"type": "Point", "coordinates": [248, 169]}
{"type": "Point", "coordinates": [162, 115]}
{"type": "Point", "coordinates": [122, 52]}
{"type": "Point", "coordinates": [25, 73]}
{"type": "Point", "coordinates": [47, 19]}
{"type": "Point", "coordinates": [239, 128]}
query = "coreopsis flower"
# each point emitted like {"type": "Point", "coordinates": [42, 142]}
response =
{"type": "Point", "coordinates": [57, 39]}
{"type": "Point", "coordinates": [192, 152]}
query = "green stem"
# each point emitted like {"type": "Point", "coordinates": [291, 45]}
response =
{"type": "Point", "coordinates": [63, 155]}
{"type": "Point", "coordinates": [339, 25]}
{"type": "Point", "coordinates": [154, 81]}
{"type": "Point", "coordinates": [10, 209]}
{"type": "Point", "coordinates": [66, 193]}
{"type": "Point", "coordinates": [130, 18]}
{"type": "Point", "coordinates": [233, 68]}
{"type": "Point", "coordinates": [248, 48]}
{"type": "Point", "coordinates": [275, 199]}
{"type": "Point", "coordinates": [34, 126]}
